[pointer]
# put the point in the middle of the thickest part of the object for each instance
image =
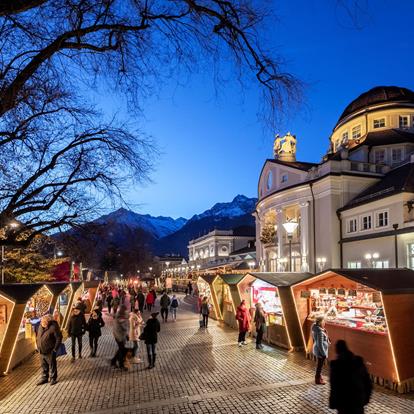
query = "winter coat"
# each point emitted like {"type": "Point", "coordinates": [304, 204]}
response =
{"type": "Point", "coordinates": [204, 308]}
{"type": "Point", "coordinates": [109, 299]}
{"type": "Point", "coordinates": [151, 331]}
{"type": "Point", "coordinates": [82, 306]}
{"type": "Point", "coordinates": [48, 339]}
{"type": "Point", "coordinates": [150, 298]}
{"type": "Point", "coordinates": [165, 301]}
{"type": "Point", "coordinates": [320, 341]}
{"type": "Point", "coordinates": [351, 385]}
{"type": "Point", "coordinates": [120, 327]}
{"type": "Point", "coordinates": [116, 301]}
{"type": "Point", "coordinates": [77, 325]}
{"type": "Point", "coordinates": [243, 318]}
{"type": "Point", "coordinates": [135, 324]}
{"type": "Point", "coordinates": [260, 319]}
{"type": "Point", "coordinates": [141, 299]}
{"type": "Point", "coordinates": [94, 326]}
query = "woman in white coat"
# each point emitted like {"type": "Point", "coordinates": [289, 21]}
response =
{"type": "Point", "coordinates": [135, 327]}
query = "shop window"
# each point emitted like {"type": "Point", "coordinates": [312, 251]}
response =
{"type": "Point", "coordinates": [284, 178]}
{"type": "Point", "coordinates": [381, 264]}
{"type": "Point", "coordinates": [379, 123]}
{"type": "Point", "coordinates": [268, 296]}
{"type": "Point", "coordinates": [356, 132]}
{"type": "Point", "coordinates": [366, 222]}
{"type": "Point", "coordinates": [379, 157]}
{"type": "Point", "coordinates": [410, 255]}
{"type": "Point", "coordinates": [354, 265]}
{"type": "Point", "coordinates": [396, 155]}
{"type": "Point", "coordinates": [381, 218]}
{"type": "Point", "coordinates": [404, 121]}
{"type": "Point", "coordinates": [352, 226]}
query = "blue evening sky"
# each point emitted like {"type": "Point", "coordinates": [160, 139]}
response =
{"type": "Point", "coordinates": [213, 145]}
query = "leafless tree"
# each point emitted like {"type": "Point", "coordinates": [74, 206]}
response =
{"type": "Point", "coordinates": [58, 158]}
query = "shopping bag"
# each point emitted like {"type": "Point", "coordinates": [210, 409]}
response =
{"type": "Point", "coordinates": [61, 350]}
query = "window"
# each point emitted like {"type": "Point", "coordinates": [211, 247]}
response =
{"type": "Point", "coordinates": [381, 264]}
{"type": "Point", "coordinates": [379, 123]}
{"type": "Point", "coordinates": [354, 265]}
{"type": "Point", "coordinates": [356, 132]}
{"type": "Point", "coordinates": [379, 157]}
{"type": "Point", "coordinates": [410, 255]}
{"type": "Point", "coordinates": [284, 178]}
{"type": "Point", "coordinates": [366, 222]}
{"type": "Point", "coordinates": [404, 120]}
{"type": "Point", "coordinates": [396, 156]}
{"type": "Point", "coordinates": [382, 219]}
{"type": "Point", "coordinates": [352, 225]}
{"type": "Point", "coordinates": [344, 137]}
{"type": "Point", "coordinates": [269, 181]}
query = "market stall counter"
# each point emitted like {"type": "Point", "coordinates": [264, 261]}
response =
{"type": "Point", "coordinates": [20, 308]}
{"type": "Point", "coordinates": [371, 309]}
{"type": "Point", "coordinates": [228, 297]}
{"type": "Point", "coordinates": [273, 291]}
{"type": "Point", "coordinates": [205, 288]}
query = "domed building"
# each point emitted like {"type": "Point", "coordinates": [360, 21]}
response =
{"type": "Point", "coordinates": [353, 209]}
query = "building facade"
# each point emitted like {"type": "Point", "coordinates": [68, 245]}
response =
{"type": "Point", "coordinates": [355, 207]}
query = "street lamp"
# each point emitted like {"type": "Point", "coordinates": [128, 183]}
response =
{"type": "Point", "coordinates": [290, 228]}
{"type": "Point", "coordinates": [321, 261]}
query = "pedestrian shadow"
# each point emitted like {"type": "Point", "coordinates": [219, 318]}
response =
{"type": "Point", "coordinates": [197, 353]}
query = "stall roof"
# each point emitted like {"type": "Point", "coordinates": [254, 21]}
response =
{"type": "Point", "coordinates": [281, 278]}
{"type": "Point", "coordinates": [231, 279]}
{"type": "Point", "coordinates": [91, 283]}
{"type": "Point", "coordinates": [57, 287]}
{"type": "Point", "coordinates": [20, 292]}
{"type": "Point", "coordinates": [208, 278]}
{"type": "Point", "coordinates": [384, 280]}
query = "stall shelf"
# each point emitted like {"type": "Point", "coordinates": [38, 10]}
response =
{"type": "Point", "coordinates": [273, 291]}
{"type": "Point", "coordinates": [205, 288]}
{"type": "Point", "coordinates": [372, 310]}
{"type": "Point", "coordinates": [14, 346]}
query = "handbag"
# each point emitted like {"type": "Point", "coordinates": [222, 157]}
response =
{"type": "Point", "coordinates": [61, 350]}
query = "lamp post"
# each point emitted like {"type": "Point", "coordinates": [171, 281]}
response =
{"type": "Point", "coordinates": [290, 227]}
{"type": "Point", "coordinates": [395, 227]}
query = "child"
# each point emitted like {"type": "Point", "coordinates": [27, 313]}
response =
{"type": "Point", "coordinates": [94, 326]}
{"type": "Point", "coordinates": [173, 307]}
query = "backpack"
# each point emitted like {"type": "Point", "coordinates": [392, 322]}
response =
{"type": "Point", "coordinates": [174, 303]}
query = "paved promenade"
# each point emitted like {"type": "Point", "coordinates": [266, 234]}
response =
{"type": "Point", "coordinates": [196, 372]}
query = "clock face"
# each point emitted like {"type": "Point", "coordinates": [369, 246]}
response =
{"type": "Point", "coordinates": [269, 180]}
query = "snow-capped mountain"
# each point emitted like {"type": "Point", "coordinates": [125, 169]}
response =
{"type": "Point", "coordinates": [238, 207]}
{"type": "Point", "coordinates": [158, 227]}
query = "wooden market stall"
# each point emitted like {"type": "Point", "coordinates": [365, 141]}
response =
{"type": "Point", "coordinates": [90, 291]}
{"type": "Point", "coordinates": [58, 290]}
{"type": "Point", "coordinates": [372, 310]}
{"type": "Point", "coordinates": [205, 288]}
{"type": "Point", "coordinates": [75, 291]}
{"type": "Point", "coordinates": [273, 291]}
{"type": "Point", "coordinates": [21, 305]}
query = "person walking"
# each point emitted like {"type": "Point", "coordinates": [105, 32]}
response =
{"type": "Point", "coordinates": [260, 322]}
{"type": "Point", "coordinates": [109, 301]}
{"type": "Point", "coordinates": [320, 347]}
{"type": "Point", "coordinates": [120, 332]}
{"type": "Point", "coordinates": [115, 304]}
{"type": "Point", "coordinates": [173, 307]}
{"type": "Point", "coordinates": [132, 299]}
{"type": "Point", "coordinates": [243, 319]}
{"type": "Point", "coordinates": [49, 338]}
{"type": "Point", "coordinates": [76, 330]}
{"type": "Point", "coordinates": [141, 301]}
{"type": "Point", "coordinates": [150, 335]}
{"type": "Point", "coordinates": [351, 385]}
{"type": "Point", "coordinates": [190, 288]}
{"type": "Point", "coordinates": [165, 303]}
{"type": "Point", "coordinates": [135, 326]}
{"type": "Point", "coordinates": [205, 311]}
{"type": "Point", "coordinates": [94, 325]}
{"type": "Point", "coordinates": [150, 300]}
{"type": "Point", "coordinates": [80, 304]}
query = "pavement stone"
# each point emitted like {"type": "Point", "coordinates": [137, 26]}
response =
{"type": "Point", "coordinates": [198, 371]}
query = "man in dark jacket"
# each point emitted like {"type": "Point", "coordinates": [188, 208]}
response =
{"type": "Point", "coordinates": [49, 338]}
{"type": "Point", "coordinates": [165, 303]}
{"type": "Point", "coordinates": [351, 386]}
{"type": "Point", "coordinates": [76, 329]}
{"type": "Point", "coordinates": [141, 301]}
{"type": "Point", "coordinates": [151, 337]}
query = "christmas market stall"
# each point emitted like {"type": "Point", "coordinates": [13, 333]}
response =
{"type": "Point", "coordinates": [90, 290]}
{"type": "Point", "coordinates": [228, 296]}
{"type": "Point", "coordinates": [21, 305]}
{"type": "Point", "coordinates": [60, 291]}
{"type": "Point", "coordinates": [68, 299]}
{"type": "Point", "coordinates": [205, 289]}
{"type": "Point", "coordinates": [372, 310]}
{"type": "Point", "coordinates": [273, 291]}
